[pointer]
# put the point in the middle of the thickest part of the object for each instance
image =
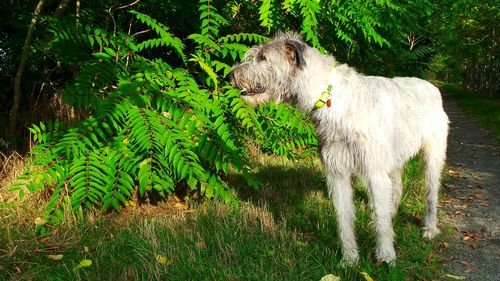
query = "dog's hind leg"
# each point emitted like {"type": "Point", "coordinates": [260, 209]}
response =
{"type": "Point", "coordinates": [434, 153]}
{"type": "Point", "coordinates": [397, 190]}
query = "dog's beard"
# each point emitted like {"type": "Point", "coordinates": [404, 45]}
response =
{"type": "Point", "coordinates": [257, 99]}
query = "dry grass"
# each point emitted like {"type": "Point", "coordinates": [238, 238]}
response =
{"type": "Point", "coordinates": [284, 231]}
{"type": "Point", "coordinates": [11, 166]}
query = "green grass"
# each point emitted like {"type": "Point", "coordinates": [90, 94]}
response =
{"type": "Point", "coordinates": [485, 111]}
{"type": "Point", "coordinates": [284, 231]}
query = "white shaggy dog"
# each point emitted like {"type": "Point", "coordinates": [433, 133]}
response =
{"type": "Point", "coordinates": [367, 127]}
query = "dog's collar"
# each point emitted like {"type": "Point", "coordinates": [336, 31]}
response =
{"type": "Point", "coordinates": [325, 95]}
{"type": "Point", "coordinates": [324, 98]}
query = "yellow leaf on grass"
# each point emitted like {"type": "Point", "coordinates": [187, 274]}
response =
{"type": "Point", "coordinates": [131, 203]}
{"type": "Point", "coordinates": [83, 263]}
{"type": "Point", "coordinates": [180, 205]}
{"type": "Point", "coordinates": [55, 257]}
{"type": "Point", "coordinates": [163, 260]}
{"type": "Point", "coordinates": [86, 249]}
{"type": "Point", "coordinates": [330, 277]}
{"type": "Point", "coordinates": [40, 221]}
{"type": "Point", "coordinates": [366, 276]}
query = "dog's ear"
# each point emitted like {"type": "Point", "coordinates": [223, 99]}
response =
{"type": "Point", "coordinates": [295, 53]}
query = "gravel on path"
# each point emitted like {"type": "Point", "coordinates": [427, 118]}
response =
{"type": "Point", "coordinates": [471, 199]}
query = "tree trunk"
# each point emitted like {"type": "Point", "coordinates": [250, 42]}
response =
{"type": "Point", "coordinates": [19, 74]}
{"type": "Point", "coordinates": [78, 7]}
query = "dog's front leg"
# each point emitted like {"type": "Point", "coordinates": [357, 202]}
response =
{"type": "Point", "coordinates": [341, 190]}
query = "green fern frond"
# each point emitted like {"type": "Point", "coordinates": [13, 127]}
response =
{"type": "Point", "coordinates": [251, 38]}
{"type": "Point", "coordinates": [166, 38]}
{"type": "Point", "coordinates": [88, 180]}
{"type": "Point", "coordinates": [265, 14]}
{"type": "Point", "coordinates": [205, 67]}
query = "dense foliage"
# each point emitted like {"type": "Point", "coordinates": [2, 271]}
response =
{"type": "Point", "coordinates": [468, 45]}
{"type": "Point", "coordinates": [133, 98]}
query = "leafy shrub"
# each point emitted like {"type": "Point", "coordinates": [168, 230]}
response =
{"type": "Point", "coordinates": [154, 129]}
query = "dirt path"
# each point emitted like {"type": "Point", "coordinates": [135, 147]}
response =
{"type": "Point", "coordinates": [471, 201]}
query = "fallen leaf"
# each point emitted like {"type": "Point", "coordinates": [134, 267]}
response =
{"type": "Point", "coordinates": [177, 199]}
{"type": "Point", "coordinates": [18, 270]}
{"type": "Point", "coordinates": [366, 276]}
{"type": "Point", "coordinates": [179, 205]}
{"type": "Point", "coordinates": [446, 245]}
{"type": "Point", "coordinates": [201, 245]}
{"type": "Point", "coordinates": [86, 249]}
{"type": "Point", "coordinates": [449, 200]}
{"type": "Point", "coordinates": [330, 277]}
{"type": "Point", "coordinates": [55, 257]}
{"type": "Point", "coordinates": [478, 195]}
{"type": "Point", "coordinates": [446, 260]}
{"type": "Point", "coordinates": [131, 203]}
{"type": "Point", "coordinates": [40, 221]}
{"type": "Point", "coordinates": [465, 263]}
{"type": "Point", "coordinates": [161, 259]}
{"type": "Point", "coordinates": [83, 263]}
{"type": "Point", "coordinates": [43, 240]}
{"type": "Point", "coordinates": [456, 277]}
{"type": "Point", "coordinates": [469, 270]}
{"type": "Point", "coordinates": [469, 236]}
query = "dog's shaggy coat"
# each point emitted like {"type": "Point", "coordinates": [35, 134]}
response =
{"type": "Point", "coordinates": [373, 126]}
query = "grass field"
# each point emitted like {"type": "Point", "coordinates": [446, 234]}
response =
{"type": "Point", "coordinates": [284, 231]}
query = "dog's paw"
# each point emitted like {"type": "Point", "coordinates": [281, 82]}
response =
{"type": "Point", "coordinates": [387, 255]}
{"type": "Point", "coordinates": [430, 233]}
{"type": "Point", "coordinates": [350, 259]}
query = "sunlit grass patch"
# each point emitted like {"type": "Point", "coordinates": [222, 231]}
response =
{"type": "Point", "coordinates": [284, 231]}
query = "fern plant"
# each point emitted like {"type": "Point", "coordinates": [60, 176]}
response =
{"type": "Point", "coordinates": [154, 129]}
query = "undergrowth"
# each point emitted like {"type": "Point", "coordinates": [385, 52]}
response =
{"type": "Point", "coordinates": [284, 231]}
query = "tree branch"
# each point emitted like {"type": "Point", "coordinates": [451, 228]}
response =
{"type": "Point", "coordinates": [128, 5]}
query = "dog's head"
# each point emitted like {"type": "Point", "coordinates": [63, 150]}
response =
{"type": "Point", "coordinates": [268, 71]}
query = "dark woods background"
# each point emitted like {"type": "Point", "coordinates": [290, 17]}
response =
{"type": "Point", "coordinates": [129, 99]}
{"type": "Point", "coordinates": [447, 40]}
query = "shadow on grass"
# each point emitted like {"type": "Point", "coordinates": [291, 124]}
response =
{"type": "Point", "coordinates": [284, 231]}
{"type": "Point", "coordinates": [296, 194]}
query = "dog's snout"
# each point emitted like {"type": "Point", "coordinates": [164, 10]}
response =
{"type": "Point", "coordinates": [232, 78]}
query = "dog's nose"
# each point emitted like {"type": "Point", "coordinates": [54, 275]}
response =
{"type": "Point", "coordinates": [232, 79]}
